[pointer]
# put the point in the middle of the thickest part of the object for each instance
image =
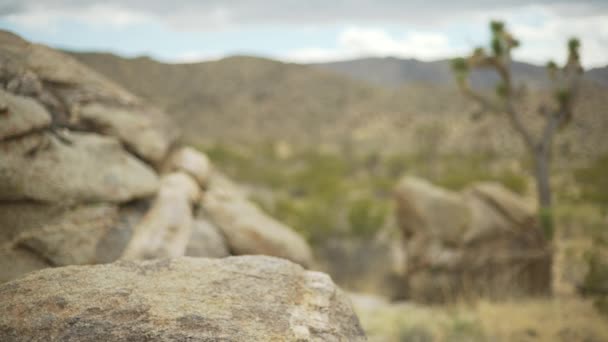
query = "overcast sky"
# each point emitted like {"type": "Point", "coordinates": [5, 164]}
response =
{"type": "Point", "coordinates": [308, 30]}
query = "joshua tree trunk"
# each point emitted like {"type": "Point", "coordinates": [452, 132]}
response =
{"type": "Point", "coordinates": [542, 161]}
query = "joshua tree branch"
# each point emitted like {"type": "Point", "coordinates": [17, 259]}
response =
{"type": "Point", "coordinates": [482, 100]}
{"type": "Point", "coordinates": [518, 125]}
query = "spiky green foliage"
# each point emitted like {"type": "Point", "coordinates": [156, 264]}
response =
{"type": "Point", "coordinates": [459, 65]}
{"type": "Point", "coordinates": [479, 51]}
{"type": "Point", "coordinates": [574, 44]}
{"type": "Point", "coordinates": [501, 90]}
{"type": "Point", "coordinates": [573, 49]}
{"type": "Point", "coordinates": [497, 46]}
{"type": "Point", "coordinates": [497, 26]}
{"type": "Point", "coordinates": [562, 96]}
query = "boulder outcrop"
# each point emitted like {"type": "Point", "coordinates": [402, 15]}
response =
{"type": "Point", "coordinates": [251, 298]}
{"type": "Point", "coordinates": [248, 230]}
{"type": "Point", "coordinates": [89, 173]}
{"type": "Point", "coordinates": [482, 241]}
{"type": "Point", "coordinates": [20, 115]}
{"type": "Point", "coordinates": [166, 228]}
{"type": "Point", "coordinates": [190, 161]}
{"type": "Point", "coordinates": [206, 240]}
{"type": "Point", "coordinates": [84, 168]}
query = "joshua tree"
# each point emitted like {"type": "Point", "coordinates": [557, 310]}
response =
{"type": "Point", "coordinates": [565, 83]}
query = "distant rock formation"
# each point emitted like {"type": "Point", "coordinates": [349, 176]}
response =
{"type": "Point", "coordinates": [90, 174]}
{"type": "Point", "coordinates": [483, 241]}
{"type": "Point", "coordinates": [248, 298]}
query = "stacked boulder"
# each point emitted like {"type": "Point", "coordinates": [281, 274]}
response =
{"type": "Point", "coordinates": [483, 241]}
{"type": "Point", "coordinates": [89, 174]}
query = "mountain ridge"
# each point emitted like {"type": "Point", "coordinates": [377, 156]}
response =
{"type": "Point", "coordinates": [248, 100]}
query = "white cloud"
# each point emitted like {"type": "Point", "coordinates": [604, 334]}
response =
{"type": "Point", "coordinates": [432, 28]}
{"type": "Point", "coordinates": [356, 42]}
{"type": "Point", "coordinates": [543, 32]}
{"type": "Point", "coordinates": [549, 40]}
{"type": "Point", "coordinates": [194, 56]}
{"type": "Point", "coordinates": [102, 15]}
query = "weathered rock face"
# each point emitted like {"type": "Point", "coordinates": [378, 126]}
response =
{"type": "Point", "coordinates": [20, 115]}
{"type": "Point", "coordinates": [206, 241]}
{"type": "Point", "coordinates": [248, 230]}
{"type": "Point", "coordinates": [85, 168]}
{"type": "Point", "coordinates": [139, 129]}
{"type": "Point", "coordinates": [250, 298]}
{"type": "Point", "coordinates": [423, 207]}
{"type": "Point", "coordinates": [88, 174]}
{"type": "Point", "coordinates": [26, 66]}
{"type": "Point", "coordinates": [483, 241]}
{"type": "Point", "coordinates": [36, 235]}
{"type": "Point", "coordinates": [191, 162]}
{"type": "Point", "coordinates": [166, 228]}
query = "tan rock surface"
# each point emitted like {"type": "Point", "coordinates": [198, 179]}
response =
{"type": "Point", "coordinates": [251, 298]}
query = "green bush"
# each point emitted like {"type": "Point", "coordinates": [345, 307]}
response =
{"type": "Point", "coordinates": [415, 334]}
{"type": "Point", "coordinates": [326, 194]}
{"type": "Point", "coordinates": [594, 183]}
{"type": "Point", "coordinates": [595, 283]}
{"type": "Point", "coordinates": [461, 330]}
{"type": "Point", "coordinates": [458, 175]}
{"type": "Point", "coordinates": [366, 216]}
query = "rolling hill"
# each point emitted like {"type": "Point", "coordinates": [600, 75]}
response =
{"type": "Point", "coordinates": [247, 100]}
{"type": "Point", "coordinates": [395, 72]}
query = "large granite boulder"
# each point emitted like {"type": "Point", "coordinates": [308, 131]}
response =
{"type": "Point", "coordinates": [37, 235]}
{"type": "Point", "coordinates": [206, 240]}
{"type": "Point", "coordinates": [74, 82]}
{"type": "Point", "coordinates": [20, 115]}
{"type": "Point", "coordinates": [251, 298]}
{"type": "Point", "coordinates": [190, 161]}
{"type": "Point", "coordinates": [482, 241]}
{"type": "Point", "coordinates": [140, 129]}
{"type": "Point", "coordinates": [76, 96]}
{"type": "Point", "coordinates": [440, 213]}
{"type": "Point", "coordinates": [248, 230]}
{"type": "Point", "coordinates": [166, 228]}
{"type": "Point", "coordinates": [84, 168]}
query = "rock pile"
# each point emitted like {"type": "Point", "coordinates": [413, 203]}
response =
{"type": "Point", "coordinates": [483, 241]}
{"type": "Point", "coordinates": [90, 174]}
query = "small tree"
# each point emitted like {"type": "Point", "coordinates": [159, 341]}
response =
{"type": "Point", "coordinates": [565, 83]}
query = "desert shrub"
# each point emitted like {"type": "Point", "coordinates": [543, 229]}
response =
{"type": "Point", "coordinates": [457, 172]}
{"type": "Point", "coordinates": [464, 330]}
{"type": "Point", "coordinates": [310, 216]}
{"type": "Point", "coordinates": [415, 334]}
{"type": "Point", "coordinates": [396, 165]}
{"type": "Point", "coordinates": [594, 183]}
{"type": "Point", "coordinates": [366, 215]}
{"type": "Point", "coordinates": [321, 175]}
{"type": "Point", "coordinates": [323, 194]}
{"type": "Point", "coordinates": [595, 283]}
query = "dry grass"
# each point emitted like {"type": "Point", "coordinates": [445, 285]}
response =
{"type": "Point", "coordinates": [567, 319]}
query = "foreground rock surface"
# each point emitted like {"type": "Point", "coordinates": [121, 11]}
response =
{"type": "Point", "coordinates": [250, 298]}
